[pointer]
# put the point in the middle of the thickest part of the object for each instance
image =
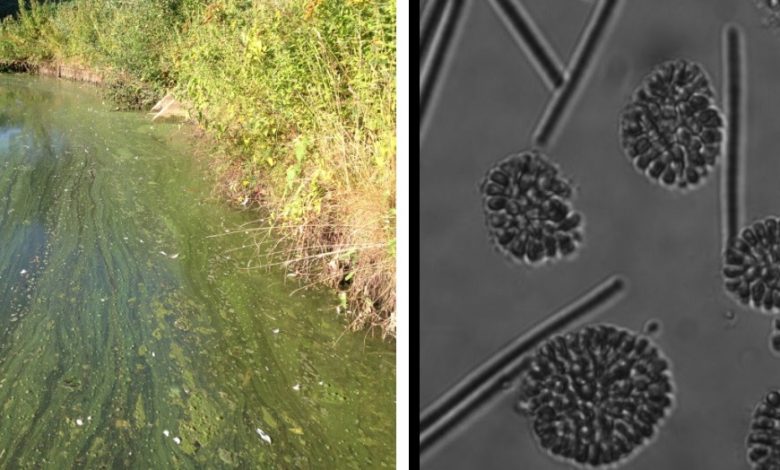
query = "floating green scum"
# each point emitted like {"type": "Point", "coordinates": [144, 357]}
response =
{"type": "Point", "coordinates": [131, 338]}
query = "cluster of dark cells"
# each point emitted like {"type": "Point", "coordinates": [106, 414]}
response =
{"type": "Point", "coordinates": [527, 204]}
{"type": "Point", "coordinates": [770, 13]}
{"type": "Point", "coordinates": [672, 129]}
{"type": "Point", "coordinates": [597, 396]}
{"type": "Point", "coordinates": [763, 440]}
{"type": "Point", "coordinates": [751, 268]}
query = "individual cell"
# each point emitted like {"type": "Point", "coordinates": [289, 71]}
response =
{"type": "Point", "coordinates": [652, 327]}
{"type": "Point", "coordinates": [597, 396]}
{"type": "Point", "coordinates": [528, 209]}
{"type": "Point", "coordinates": [763, 440]}
{"type": "Point", "coordinates": [751, 266]}
{"type": "Point", "coordinates": [671, 130]}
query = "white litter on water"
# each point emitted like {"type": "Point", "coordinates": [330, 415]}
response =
{"type": "Point", "coordinates": [174, 256]}
{"type": "Point", "coordinates": [177, 440]}
{"type": "Point", "coordinates": [79, 422]}
{"type": "Point", "coordinates": [23, 272]}
{"type": "Point", "coordinates": [297, 387]}
{"type": "Point", "coordinates": [275, 330]}
{"type": "Point", "coordinates": [89, 418]}
{"type": "Point", "coordinates": [166, 433]}
{"type": "Point", "coordinates": [153, 354]}
{"type": "Point", "coordinates": [263, 435]}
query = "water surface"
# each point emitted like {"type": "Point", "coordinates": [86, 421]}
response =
{"type": "Point", "coordinates": [132, 337]}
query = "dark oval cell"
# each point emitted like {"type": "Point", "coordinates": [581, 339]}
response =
{"type": "Point", "coordinates": [534, 251]}
{"type": "Point", "coordinates": [517, 248]}
{"type": "Point", "coordinates": [749, 237]}
{"type": "Point", "coordinates": [611, 418]}
{"type": "Point", "coordinates": [496, 203]}
{"type": "Point", "coordinates": [760, 230]}
{"type": "Point", "coordinates": [669, 176]}
{"type": "Point", "coordinates": [691, 175]}
{"type": "Point", "coordinates": [531, 195]}
{"type": "Point", "coordinates": [494, 190]}
{"type": "Point", "coordinates": [557, 210]}
{"type": "Point", "coordinates": [699, 102]}
{"type": "Point", "coordinates": [674, 108]}
{"type": "Point", "coordinates": [500, 178]}
{"type": "Point", "coordinates": [643, 161]}
{"type": "Point", "coordinates": [505, 237]}
{"type": "Point", "coordinates": [710, 118]}
{"type": "Point", "coordinates": [734, 257]}
{"type": "Point", "coordinates": [757, 292]}
{"type": "Point", "coordinates": [656, 169]}
{"type": "Point", "coordinates": [550, 246]}
{"type": "Point", "coordinates": [711, 136]}
{"type": "Point", "coordinates": [652, 327]}
{"type": "Point", "coordinates": [641, 146]}
{"type": "Point", "coordinates": [571, 222]}
{"type": "Point", "coordinates": [771, 230]}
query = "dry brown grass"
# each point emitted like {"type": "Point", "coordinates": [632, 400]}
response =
{"type": "Point", "coordinates": [345, 242]}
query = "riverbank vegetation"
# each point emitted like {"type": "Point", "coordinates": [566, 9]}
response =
{"type": "Point", "coordinates": [298, 97]}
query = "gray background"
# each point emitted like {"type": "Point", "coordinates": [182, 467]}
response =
{"type": "Point", "coordinates": [667, 244]}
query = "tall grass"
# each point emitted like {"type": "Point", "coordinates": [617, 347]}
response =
{"type": "Point", "coordinates": [299, 96]}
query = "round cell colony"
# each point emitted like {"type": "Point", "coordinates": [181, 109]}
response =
{"type": "Point", "coordinates": [769, 11]}
{"type": "Point", "coordinates": [527, 204]}
{"type": "Point", "coordinates": [751, 270]}
{"type": "Point", "coordinates": [597, 396]}
{"type": "Point", "coordinates": [763, 440]}
{"type": "Point", "coordinates": [672, 130]}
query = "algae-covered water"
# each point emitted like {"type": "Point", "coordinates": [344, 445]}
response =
{"type": "Point", "coordinates": [131, 337]}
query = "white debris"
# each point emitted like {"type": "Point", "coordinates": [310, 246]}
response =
{"type": "Point", "coordinates": [23, 272]}
{"type": "Point", "coordinates": [177, 440]}
{"type": "Point", "coordinates": [320, 383]}
{"type": "Point", "coordinates": [164, 253]}
{"type": "Point", "coordinates": [263, 435]}
{"type": "Point", "coordinates": [166, 433]}
{"type": "Point", "coordinates": [275, 331]}
{"type": "Point", "coordinates": [297, 387]}
{"type": "Point", "coordinates": [89, 418]}
{"type": "Point", "coordinates": [153, 354]}
{"type": "Point", "coordinates": [174, 256]}
{"type": "Point", "coordinates": [79, 422]}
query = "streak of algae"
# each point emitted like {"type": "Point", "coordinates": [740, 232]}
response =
{"type": "Point", "coordinates": [106, 341]}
